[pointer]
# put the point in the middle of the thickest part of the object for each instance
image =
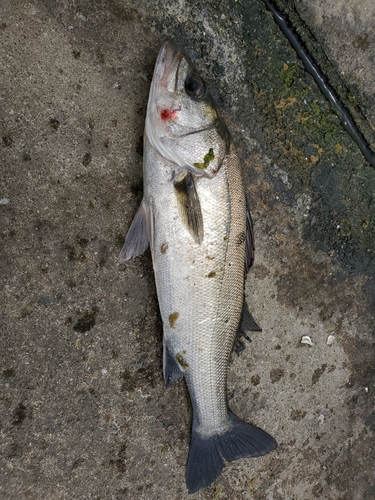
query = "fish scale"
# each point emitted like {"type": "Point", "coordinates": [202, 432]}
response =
{"type": "Point", "coordinates": [193, 215]}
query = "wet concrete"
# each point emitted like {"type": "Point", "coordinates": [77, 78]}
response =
{"type": "Point", "coordinates": [84, 410]}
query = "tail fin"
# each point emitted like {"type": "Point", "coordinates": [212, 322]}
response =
{"type": "Point", "coordinates": [206, 454]}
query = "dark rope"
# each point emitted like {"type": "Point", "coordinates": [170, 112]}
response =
{"type": "Point", "coordinates": [311, 66]}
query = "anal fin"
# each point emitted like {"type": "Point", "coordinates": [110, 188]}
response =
{"type": "Point", "coordinates": [171, 371]}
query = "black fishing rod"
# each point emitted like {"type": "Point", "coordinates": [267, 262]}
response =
{"type": "Point", "coordinates": [314, 70]}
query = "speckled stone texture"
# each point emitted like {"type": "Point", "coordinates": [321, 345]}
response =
{"type": "Point", "coordinates": [84, 412]}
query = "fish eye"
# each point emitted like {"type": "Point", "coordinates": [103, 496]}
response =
{"type": "Point", "coordinates": [195, 86]}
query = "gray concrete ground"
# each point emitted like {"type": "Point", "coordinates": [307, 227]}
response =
{"type": "Point", "coordinates": [84, 411]}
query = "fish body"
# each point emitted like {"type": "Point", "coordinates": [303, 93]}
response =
{"type": "Point", "coordinates": [194, 216]}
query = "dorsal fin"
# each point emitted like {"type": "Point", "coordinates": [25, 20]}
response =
{"type": "Point", "coordinates": [249, 246]}
{"type": "Point", "coordinates": [248, 323]}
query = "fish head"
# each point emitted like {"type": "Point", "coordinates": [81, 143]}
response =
{"type": "Point", "coordinates": [183, 123]}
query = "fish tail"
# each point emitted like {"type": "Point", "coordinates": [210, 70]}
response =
{"type": "Point", "coordinates": [206, 454]}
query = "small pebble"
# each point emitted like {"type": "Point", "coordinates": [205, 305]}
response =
{"type": "Point", "coordinates": [4, 201]}
{"type": "Point", "coordinates": [330, 339]}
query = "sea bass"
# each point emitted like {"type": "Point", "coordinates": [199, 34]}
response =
{"type": "Point", "coordinates": [194, 217]}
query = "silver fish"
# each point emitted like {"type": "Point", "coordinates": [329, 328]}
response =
{"type": "Point", "coordinates": [194, 217]}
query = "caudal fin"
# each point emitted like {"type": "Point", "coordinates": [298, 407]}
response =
{"type": "Point", "coordinates": [206, 454]}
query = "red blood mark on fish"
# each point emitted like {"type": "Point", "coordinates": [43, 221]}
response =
{"type": "Point", "coordinates": [168, 114]}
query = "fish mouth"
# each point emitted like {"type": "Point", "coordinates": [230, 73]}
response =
{"type": "Point", "coordinates": [166, 67]}
{"type": "Point", "coordinates": [164, 83]}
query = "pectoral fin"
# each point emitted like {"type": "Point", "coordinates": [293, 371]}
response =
{"type": "Point", "coordinates": [189, 205]}
{"type": "Point", "coordinates": [139, 235]}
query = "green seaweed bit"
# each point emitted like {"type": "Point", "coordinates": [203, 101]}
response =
{"type": "Point", "coordinates": [352, 99]}
{"type": "Point", "coordinates": [181, 361]}
{"type": "Point", "coordinates": [289, 74]}
{"type": "Point", "coordinates": [172, 319]}
{"type": "Point", "coordinates": [206, 160]}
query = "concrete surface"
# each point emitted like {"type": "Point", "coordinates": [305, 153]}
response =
{"type": "Point", "coordinates": [84, 411]}
{"type": "Point", "coordinates": [345, 31]}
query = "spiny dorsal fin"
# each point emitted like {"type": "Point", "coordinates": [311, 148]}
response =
{"type": "Point", "coordinates": [249, 245]}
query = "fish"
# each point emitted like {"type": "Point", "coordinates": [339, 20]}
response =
{"type": "Point", "coordinates": [194, 217]}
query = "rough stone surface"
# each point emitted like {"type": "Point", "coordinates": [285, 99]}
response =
{"type": "Point", "coordinates": [84, 412]}
{"type": "Point", "coordinates": [346, 32]}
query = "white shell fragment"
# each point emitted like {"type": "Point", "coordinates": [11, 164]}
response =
{"type": "Point", "coordinates": [4, 201]}
{"type": "Point", "coordinates": [330, 340]}
{"type": "Point", "coordinates": [306, 340]}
